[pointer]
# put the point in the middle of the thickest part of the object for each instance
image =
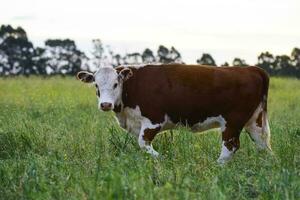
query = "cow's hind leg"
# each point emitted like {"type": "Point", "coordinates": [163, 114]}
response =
{"type": "Point", "coordinates": [230, 144]}
{"type": "Point", "coordinates": [147, 134]}
{"type": "Point", "coordinates": [258, 129]}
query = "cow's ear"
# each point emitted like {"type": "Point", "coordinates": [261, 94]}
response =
{"type": "Point", "coordinates": [125, 74]}
{"type": "Point", "coordinates": [119, 69]}
{"type": "Point", "coordinates": [85, 76]}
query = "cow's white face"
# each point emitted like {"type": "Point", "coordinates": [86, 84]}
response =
{"type": "Point", "coordinates": [110, 88]}
{"type": "Point", "coordinates": [109, 84]}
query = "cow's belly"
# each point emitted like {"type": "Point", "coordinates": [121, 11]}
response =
{"type": "Point", "coordinates": [210, 123]}
{"type": "Point", "coordinates": [131, 120]}
{"type": "Point", "coordinates": [207, 124]}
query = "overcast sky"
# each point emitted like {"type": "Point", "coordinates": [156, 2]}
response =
{"type": "Point", "coordinates": [223, 28]}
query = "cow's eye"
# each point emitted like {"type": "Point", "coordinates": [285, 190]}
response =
{"type": "Point", "coordinates": [115, 85]}
{"type": "Point", "coordinates": [97, 93]}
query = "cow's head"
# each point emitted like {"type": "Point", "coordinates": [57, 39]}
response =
{"type": "Point", "coordinates": [109, 85]}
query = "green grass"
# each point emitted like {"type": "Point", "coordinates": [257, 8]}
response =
{"type": "Point", "coordinates": [55, 144]}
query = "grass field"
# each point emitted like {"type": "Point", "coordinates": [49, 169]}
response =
{"type": "Point", "coordinates": [55, 144]}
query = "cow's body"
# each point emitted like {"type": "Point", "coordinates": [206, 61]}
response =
{"type": "Point", "coordinates": [158, 97]}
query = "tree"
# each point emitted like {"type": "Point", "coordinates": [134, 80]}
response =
{"type": "Point", "coordinates": [147, 56]}
{"type": "Point", "coordinates": [163, 54]}
{"type": "Point", "coordinates": [266, 61]}
{"type": "Point", "coordinates": [117, 60]}
{"type": "Point", "coordinates": [168, 56]}
{"type": "Point", "coordinates": [295, 56]}
{"type": "Point", "coordinates": [283, 66]}
{"type": "Point", "coordinates": [109, 58]}
{"type": "Point", "coordinates": [225, 64]}
{"type": "Point", "coordinates": [63, 57]}
{"type": "Point", "coordinates": [133, 58]}
{"type": "Point", "coordinates": [4, 64]}
{"type": "Point", "coordinates": [206, 59]}
{"type": "Point", "coordinates": [175, 55]}
{"type": "Point", "coordinates": [40, 61]}
{"type": "Point", "coordinates": [98, 52]}
{"type": "Point", "coordinates": [239, 62]}
{"type": "Point", "coordinates": [16, 52]}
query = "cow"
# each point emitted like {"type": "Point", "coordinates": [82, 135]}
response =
{"type": "Point", "coordinates": [148, 99]}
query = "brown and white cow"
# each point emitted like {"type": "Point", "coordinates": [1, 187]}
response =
{"type": "Point", "coordinates": [151, 98]}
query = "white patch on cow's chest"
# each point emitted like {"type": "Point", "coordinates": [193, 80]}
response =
{"type": "Point", "coordinates": [209, 123]}
{"type": "Point", "coordinates": [130, 119]}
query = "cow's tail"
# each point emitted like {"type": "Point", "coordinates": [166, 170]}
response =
{"type": "Point", "coordinates": [266, 134]}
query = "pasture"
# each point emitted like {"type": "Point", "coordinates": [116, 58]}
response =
{"type": "Point", "coordinates": [55, 144]}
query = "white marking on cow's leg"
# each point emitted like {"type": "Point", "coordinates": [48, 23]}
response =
{"type": "Point", "coordinates": [260, 135]}
{"type": "Point", "coordinates": [225, 155]}
{"type": "Point", "coordinates": [147, 125]}
{"type": "Point", "coordinates": [146, 145]}
{"type": "Point", "coordinates": [262, 140]}
{"type": "Point", "coordinates": [230, 143]}
{"type": "Point", "coordinates": [133, 121]}
{"type": "Point", "coordinates": [255, 133]}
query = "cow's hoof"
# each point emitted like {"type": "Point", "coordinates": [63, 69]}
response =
{"type": "Point", "coordinates": [222, 161]}
{"type": "Point", "coordinates": [155, 154]}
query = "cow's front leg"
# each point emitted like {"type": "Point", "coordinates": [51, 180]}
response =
{"type": "Point", "coordinates": [147, 134]}
{"type": "Point", "coordinates": [230, 144]}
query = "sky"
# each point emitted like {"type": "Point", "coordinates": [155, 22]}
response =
{"type": "Point", "coordinates": [225, 29]}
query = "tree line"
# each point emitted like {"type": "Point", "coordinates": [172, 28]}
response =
{"type": "Point", "coordinates": [18, 56]}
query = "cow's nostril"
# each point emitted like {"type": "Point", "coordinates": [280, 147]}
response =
{"type": "Point", "coordinates": [106, 106]}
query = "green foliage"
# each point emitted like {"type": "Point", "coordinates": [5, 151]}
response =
{"type": "Point", "coordinates": [16, 52]}
{"type": "Point", "coordinates": [18, 56]}
{"type": "Point", "coordinates": [206, 59]}
{"type": "Point", "coordinates": [239, 62]}
{"type": "Point", "coordinates": [62, 57]}
{"type": "Point", "coordinates": [168, 56]}
{"type": "Point", "coordinates": [55, 144]}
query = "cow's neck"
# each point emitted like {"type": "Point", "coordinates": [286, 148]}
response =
{"type": "Point", "coordinates": [118, 108]}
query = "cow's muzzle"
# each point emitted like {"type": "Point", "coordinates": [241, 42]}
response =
{"type": "Point", "coordinates": [106, 106]}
